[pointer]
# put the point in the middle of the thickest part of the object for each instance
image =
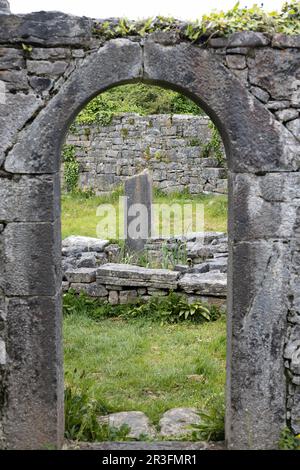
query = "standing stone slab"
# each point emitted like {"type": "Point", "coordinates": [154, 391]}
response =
{"type": "Point", "coordinates": [138, 212]}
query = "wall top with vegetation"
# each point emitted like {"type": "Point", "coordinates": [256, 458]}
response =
{"type": "Point", "coordinates": [70, 30]}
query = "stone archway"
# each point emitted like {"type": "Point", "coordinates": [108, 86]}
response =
{"type": "Point", "coordinates": [262, 159]}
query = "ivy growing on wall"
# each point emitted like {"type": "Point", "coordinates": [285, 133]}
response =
{"type": "Point", "coordinates": [71, 167]}
{"type": "Point", "coordinates": [215, 24]}
{"type": "Point", "coordinates": [214, 147]}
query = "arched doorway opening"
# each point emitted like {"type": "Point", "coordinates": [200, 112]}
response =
{"type": "Point", "coordinates": [177, 280]}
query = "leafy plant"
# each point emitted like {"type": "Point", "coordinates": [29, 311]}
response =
{"type": "Point", "coordinates": [174, 308]}
{"type": "Point", "coordinates": [212, 424]}
{"type": "Point", "coordinates": [174, 254]}
{"type": "Point", "coordinates": [71, 167]}
{"type": "Point", "coordinates": [214, 24]}
{"type": "Point", "coordinates": [83, 305]}
{"type": "Point", "coordinates": [214, 147]}
{"type": "Point", "coordinates": [288, 440]}
{"type": "Point", "coordinates": [82, 411]}
{"type": "Point", "coordinates": [27, 48]}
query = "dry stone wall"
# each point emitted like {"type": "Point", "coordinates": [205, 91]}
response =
{"type": "Point", "coordinates": [51, 64]}
{"type": "Point", "coordinates": [95, 267]}
{"type": "Point", "coordinates": [172, 147]}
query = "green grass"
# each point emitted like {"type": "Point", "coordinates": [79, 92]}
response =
{"type": "Point", "coordinates": [79, 213]}
{"type": "Point", "coordinates": [140, 365]}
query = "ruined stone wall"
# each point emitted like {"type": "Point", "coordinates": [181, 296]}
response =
{"type": "Point", "coordinates": [173, 147]}
{"type": "Point", "coordinates": [51, 64]}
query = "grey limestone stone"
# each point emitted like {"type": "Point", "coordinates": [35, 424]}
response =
{"type": "Point", "coordinates": [287, 114]}
{"type": "Point", "coordinates": [138, 212]}
{"type": "Point", "coordinates": [81, 275]}
{"type": "Point", "coordinates": [178, 422]}
{"type": "Point", "coordinates": [130, 275]}
{"type": "Point", "coordinates": [79, 244]}
{"type": "Point", "coordinates": [294, 127]}
{"type": "Point", "coordinates": [137, 423]}
{"type": "Point", "coordinates": [4, 7]}
{"type": "Point", "coordinates": [91, 289]}
{"type": "Point", "coordinates": [214, 284]}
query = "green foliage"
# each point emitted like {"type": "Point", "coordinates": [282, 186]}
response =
{"type": "Point", "coordinates": [217, 23]}
{"type": "Point", "coordinates": [194, 142]}
{"type": "Point", "coordinates": [172, 308]}
{"type": "Point", "coordinates": [137, 98]}
{"type": "Point", "coordinates": [82, 410]}
{"type": "Point", "coordinates": [124, 132]}
{"type": "Point", "coordinates": [176, 254]}
{"type": "Point", "coordinates": [83, 305]}
{"type": "Point", "coordinates": [288, 440]}
{"type": "Point", "coordinates": [214, 147]}
{"type": "Point", "coordinates": [71, 167]}
{"type": "Point", "coordinates": [212, 425]}
{"type": "Point", "coordinates": [27, 49]}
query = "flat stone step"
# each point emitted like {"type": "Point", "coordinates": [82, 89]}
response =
{"type": "Point", "coordinates": [141, 445]}
{"type": "Point", "coordinates": [136, 276]}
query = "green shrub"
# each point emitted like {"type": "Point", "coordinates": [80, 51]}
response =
{"type": "Point", "coordinates": [71, 167]}
{"type": "Point", "coordinates": [288, 440]}
{"type": "Point", "coordinates": [174, 308]}
{"type": "Point", "coordinates": [214, 147]}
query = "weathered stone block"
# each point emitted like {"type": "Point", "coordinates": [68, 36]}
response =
{"type": "Point", "coordinates": [30, 199]}
{"type": "Point", "coordinates": [81, 275]}
{"type": "Point", "coordinates": [34, 349]}
{"type": "Point", "coordinates": [258, 311]}
{"type": "Point", "coordinates": [76, 244]}
{"type": "Point", "coordinates": [32, 259]}
{"type": "Point", "coordinates": [264, 206]}
{"type": "Point", "coordinates": [178, 422]}
{"type": "Point", "coordinates": [137, 422]}
{"type": "Point", "coordinates": [127, 296]}
{"type": "Point", "coordinates": [287, 115]}
{"type": "Point", "coordinates": [113, 297]}
{"type": "Point", "coordinates": [279, 84]}
{"type": "Point", "coordinates": [93, 289]}
{"type": "Point", "coordinates": [43, 67]}
{"type": "Point", "coordinates": [282, 41]}
{"type": "Point", "coordinates": [4, 7]}
{"type": "Point", "coordinates": [16, 111]}
{"type": "Point", "coordinates": [294, 127]}
{"type": "Point", "coordinates": [236, 62]}
{"type": "Point", "coordinates": [208, 284]}
{"type": "Point", "coordinates": [260, 94]}
{"type": "Point", "coordinates": [129, 275]}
